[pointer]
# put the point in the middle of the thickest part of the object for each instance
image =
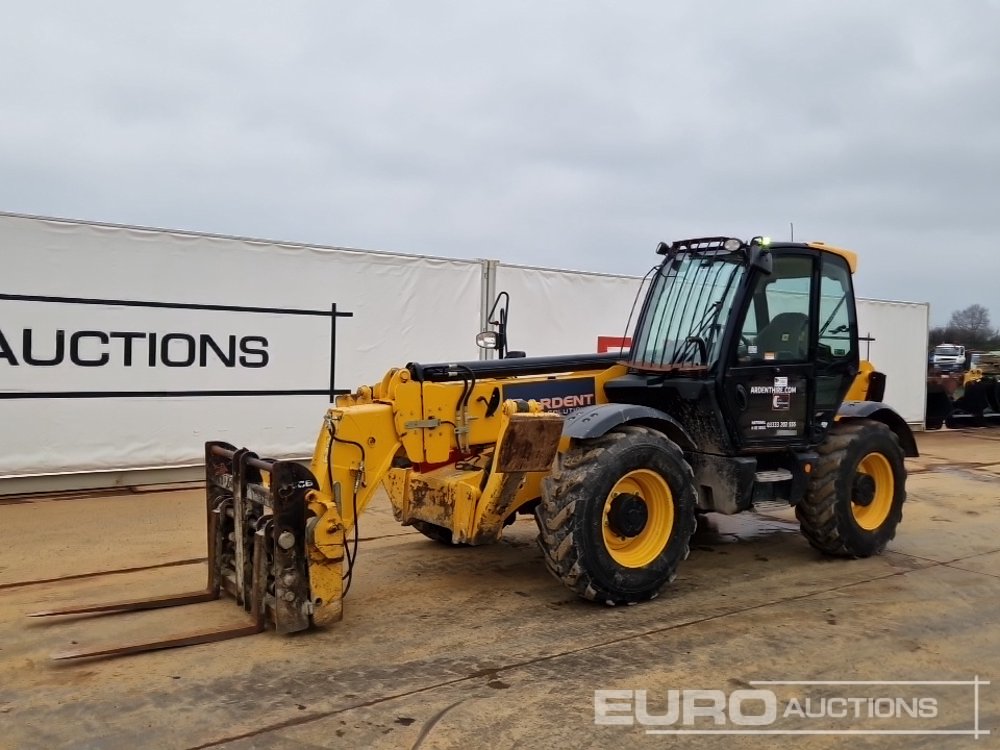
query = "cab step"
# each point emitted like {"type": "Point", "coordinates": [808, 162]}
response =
{"type": "Point", "coordinates": [775, 475]}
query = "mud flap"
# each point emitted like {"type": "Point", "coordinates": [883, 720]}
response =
{"type": "Point", "coordinates": [529, 443]}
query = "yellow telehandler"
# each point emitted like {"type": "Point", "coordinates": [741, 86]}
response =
{"type": "Point", "coordinates": [742, 383]}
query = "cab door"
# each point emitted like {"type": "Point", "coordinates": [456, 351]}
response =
{"type": "Point", "coordinates": [770, 384]}
{"type": "Point", "coordinates": [837, 355]}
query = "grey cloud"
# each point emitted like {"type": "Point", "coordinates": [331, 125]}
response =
{"type": "Point", "coordinates": [567, 134]}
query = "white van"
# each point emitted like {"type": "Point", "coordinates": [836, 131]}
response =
{"type": "Point", "coordinates": [949, 358]}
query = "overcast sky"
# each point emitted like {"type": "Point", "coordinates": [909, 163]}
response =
{"type": "Point", "coordinates": [567, 134]}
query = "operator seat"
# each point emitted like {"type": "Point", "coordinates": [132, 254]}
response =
{"type": "Point", "coordinates": [787, 336]}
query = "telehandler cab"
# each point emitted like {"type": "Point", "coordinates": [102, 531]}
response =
{"type": "Point", "coordinates": [742, 383]}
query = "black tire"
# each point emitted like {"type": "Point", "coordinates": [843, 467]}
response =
{"type": "Point", "coordinates": [439, 534]}
{"type": "Point", "coordinates": [939, 408]}
{"type": "Point", "coordinates": [993, 394]}
{"type": "Point", "coordinates": [828, 516]}
{"type": "Point", "coordinates": [572, 519]}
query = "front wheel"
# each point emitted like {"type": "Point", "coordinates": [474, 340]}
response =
{"type": "Point", "coordinates": [855, 497]}
{"type": "Point", "coordinates": [617, 514]}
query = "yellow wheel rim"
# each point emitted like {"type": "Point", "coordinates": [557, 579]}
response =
{"type": "Point", "coordinates": [870, 517]}
{"type": "Point", "coordinates": [644, 546]}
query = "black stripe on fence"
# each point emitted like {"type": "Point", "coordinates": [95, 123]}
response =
{"type": "Point", "coordinates": [173, 305]}
{"type": "Point", "coordinates": [333, 313]}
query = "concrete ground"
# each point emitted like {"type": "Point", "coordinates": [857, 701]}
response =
{"type": "Point", "coordinates": [457, 648]}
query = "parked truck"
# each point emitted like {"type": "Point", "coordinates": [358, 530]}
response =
{"type": "Point", "coordinates": [948, 358]}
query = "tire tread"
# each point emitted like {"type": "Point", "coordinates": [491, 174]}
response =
{"type": "Point", "coordinates": [564, 490]}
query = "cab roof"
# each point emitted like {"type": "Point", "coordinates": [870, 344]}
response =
{"type": "Point", "coordinates": [716, 244]}
{"type": "Point", "coordinates": [849, 255]}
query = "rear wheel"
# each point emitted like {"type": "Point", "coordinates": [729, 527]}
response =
{"type": "Point", "coordinates": [993, 393]}
{"type": "Point", "coordinates": [939, 407]}
{"type": "Point", "coordinates": [856, 492]}
{"type": "Point", "coordinates": [617, 514]}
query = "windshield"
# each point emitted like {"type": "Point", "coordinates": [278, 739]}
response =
{"type": "Point", "coordinates": [689, 302]}
{"type": "Point", "coordinates": [948, 351]}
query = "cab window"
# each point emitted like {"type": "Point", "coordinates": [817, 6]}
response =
{"type": "Point", "coordinates": [836, 311]}
{"type": "Point", "coordinates": [777, 325]}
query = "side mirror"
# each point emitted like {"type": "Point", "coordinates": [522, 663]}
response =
{"type": "Point", "coordinates": [487, 340]}
{"type": "Point", "coordinates": [496, 340]}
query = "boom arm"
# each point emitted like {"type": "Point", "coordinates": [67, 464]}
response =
{"type": "Point", "coordinates": [353, 453]}
{"type": "Point", "coordinates": [383, 435]}
{"type": "Point", "coordinates": [449, 451]}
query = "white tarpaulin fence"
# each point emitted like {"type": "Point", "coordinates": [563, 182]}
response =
{"type": "Point", "coordinates": [127, 348]}
{"type": "Point", "coordinates": [564, 312]}
{"type": "Point", "coordinates": [899, 349]}
{"type": "Point", "coordinates": [186, 367]}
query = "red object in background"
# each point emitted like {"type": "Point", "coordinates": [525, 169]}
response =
{"type": "Point", "coordinates": [613, 343]}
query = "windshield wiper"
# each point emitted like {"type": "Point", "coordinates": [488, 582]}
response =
{"type": "Point", "coordinates": [708, 321]}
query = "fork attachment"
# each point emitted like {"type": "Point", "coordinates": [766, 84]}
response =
{"type": "Point", "coordinates": [259, 552]}
{"type": "Point", "coordinates": [256, 511]}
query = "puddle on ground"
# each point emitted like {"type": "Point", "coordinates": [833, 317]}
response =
{"type": "Point", "coordinates": [716, 528]}
{"type": "Point", "coordinates": [976, 474]}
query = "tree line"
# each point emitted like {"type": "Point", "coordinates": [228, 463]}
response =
{"type": "Point", "coordinates": [970, 328]}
